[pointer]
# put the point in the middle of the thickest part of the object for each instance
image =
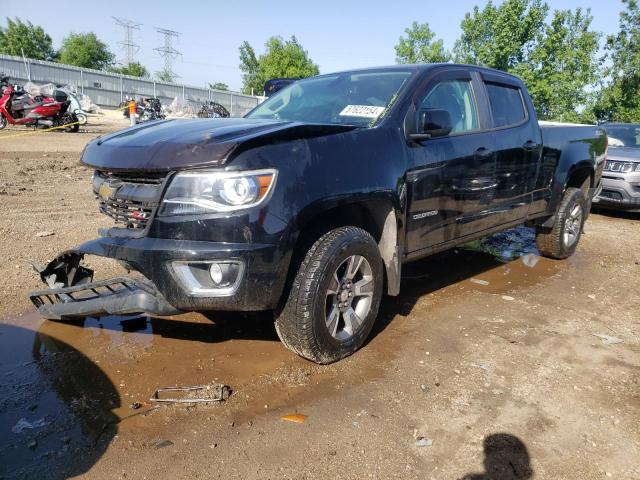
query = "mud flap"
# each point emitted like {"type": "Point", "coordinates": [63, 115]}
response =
{"type": "Point", "coordinates": [72, 294]}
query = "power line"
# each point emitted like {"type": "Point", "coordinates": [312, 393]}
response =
{"type": "Point", "coordinates": [128, 45]}
{"type": "Point", "coordinates": [167, 51]}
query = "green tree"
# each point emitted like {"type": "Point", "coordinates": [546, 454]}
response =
{"type": "Point", "coordinates": [18, 37]}
{"type": "Point", "coordinates": [219, 86]}
{"type": "Point", "coordinates": [419, 46]}
{"type": "Point", "coordinates": [620, 97]}
{"type": "Point", "coordinates": [501, 36]}
{"type": "Point", "coordinates": [250, 69]}
{"type": "Point", "coordinates": [282, 58]}
{"type": "Point", "coordinates": [135, 69]}
{"type": "Point", "coordinates": [562, 69]}
{"type": "Point", "coordinates": [85, 50]}
{"type": "Point", "coordinates": [166, 76]}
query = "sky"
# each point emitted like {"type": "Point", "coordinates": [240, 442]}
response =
{"type": "Point", "coordinates": [338, 35]}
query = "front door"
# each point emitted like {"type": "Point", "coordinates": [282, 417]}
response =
{"type": "Point", "coordinates": [453, 182]}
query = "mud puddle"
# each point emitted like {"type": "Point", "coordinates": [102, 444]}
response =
{"type": "Point", "coordinates": [67, 388]}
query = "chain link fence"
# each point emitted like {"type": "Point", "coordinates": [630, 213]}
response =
{"type": "Point", "coordinates": [109, 89]}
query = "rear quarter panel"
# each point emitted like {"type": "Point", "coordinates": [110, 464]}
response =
{"type": "Point", "coordinates": [567, 148]}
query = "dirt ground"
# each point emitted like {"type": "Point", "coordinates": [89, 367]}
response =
{"type": "Point", "coordinates": [493, 363]}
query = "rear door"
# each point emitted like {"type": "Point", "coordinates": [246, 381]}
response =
{"type": "Point", "coordinates": [454, 178]}
{"type": "Point", "coordinates": [517, 143]}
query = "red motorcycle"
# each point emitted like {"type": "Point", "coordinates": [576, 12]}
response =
{"type": "Point", "coordinates": [19, 108]}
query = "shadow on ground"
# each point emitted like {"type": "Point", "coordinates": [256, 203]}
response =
{"type": "Point", "coordinates": [506, 249]}
{"type": "Point", "coordinates": [56, 407]}
{"type": "Point", "coordinates": [505, 458]}
{"type": "Point", "coordinates": [616, 213]}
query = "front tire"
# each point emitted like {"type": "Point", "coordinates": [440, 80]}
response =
{"type": "Point", "coordinates": [334, 299]}
{"type": "Point", "coordinates": [3, 122]}
{"type": "Point", "coordinates": [561, 240]}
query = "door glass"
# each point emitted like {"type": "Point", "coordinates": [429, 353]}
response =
{"type": "Point", "coordinates": [506, 105]}
{"type": "Point", "coordinates": [456, 97]}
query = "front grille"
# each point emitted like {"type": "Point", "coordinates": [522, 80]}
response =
{"type": "Point", "coordinates": [127, 213]}
{"type": "Point", "coordinates": [130, 199]}
{"type": "Point", "coordinates": [621, 166]}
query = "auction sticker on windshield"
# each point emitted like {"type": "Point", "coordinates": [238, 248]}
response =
{"type": "Point", "coordinates": [364, 111]}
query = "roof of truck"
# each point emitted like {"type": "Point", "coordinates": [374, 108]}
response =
{"type": "Point", "coordinates": [424, 66]}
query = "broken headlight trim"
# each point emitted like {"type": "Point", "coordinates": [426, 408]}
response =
{"type": "Point", "coordinates": [201, 192]}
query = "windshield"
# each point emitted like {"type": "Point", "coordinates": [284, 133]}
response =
{"type": "Point", "coordinates": [350, 98]}
{"type": "Point", "coordinates": [623, 135]}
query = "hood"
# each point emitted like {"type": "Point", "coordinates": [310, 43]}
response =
{"type": "Point", "coordinates": [624, 153]}
{"type": "Point", "coordinates": [180, 144]}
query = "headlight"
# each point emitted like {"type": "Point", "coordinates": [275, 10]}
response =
{"type": "Point", "coordinates": [192, 193]}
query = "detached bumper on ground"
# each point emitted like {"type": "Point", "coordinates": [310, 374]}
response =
{"type": "Point", "coordinates": [116, 296]}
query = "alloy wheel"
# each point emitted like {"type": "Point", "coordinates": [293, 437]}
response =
{"type": "Point", "coordinates": [349, 297]}
{"type": "Point", "coordinates": [572, 226]}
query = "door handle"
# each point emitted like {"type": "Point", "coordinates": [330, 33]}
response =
{"type": "Point", "coordinates": [529, 145]}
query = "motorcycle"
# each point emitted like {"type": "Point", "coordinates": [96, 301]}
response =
{"type": "Point", "coordinates": [146, 110]}
{"type": "Point", "coordinates": [74, 106]}
{"type": "Point", "coordinates": [17, 107]}
{"type": "Point", "coordinates": [213, 110]}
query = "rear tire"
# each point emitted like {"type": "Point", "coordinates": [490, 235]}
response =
{"type": "Point", "coordinates": [334, 299]}
{"type": "Point", "coordinates": [561, 240]}
{"type": "Point", "coordinates": [3, 122]}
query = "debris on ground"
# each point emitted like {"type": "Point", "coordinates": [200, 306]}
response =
{"type": "Point", "coordinates": [592, 297]}
{"type": "Point", "coordinates": [508, 298]}
{"type": "Point", "coordinates": [608, 339]}
{"type": "Point", "coordinates": [24, 424]}
{"type": "Point", "coordinates": [44, 234]}
{"type": "Point", "coordinates": [295, 418]}
{"type": "Point", "coordinates": [530, 259]}
{"type": "Point", "coordinates": [423, 442]}
{"type": "Point", "coordinates": [479, 282]}
{"type": "Point", "coordinates": [215, 392]}
{"type": "Point", "coordinates": [138, 405]}
{"type": "Point", "coordinates": [162, 444]}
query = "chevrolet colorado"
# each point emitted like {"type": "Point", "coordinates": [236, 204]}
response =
{"type": "Point", "coordinates": [310, 204]}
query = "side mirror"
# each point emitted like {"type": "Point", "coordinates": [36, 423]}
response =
{"type": "Point", "coordinates": [432, 123]}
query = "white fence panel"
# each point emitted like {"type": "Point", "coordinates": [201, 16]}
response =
{"type": "Point", "coordinates": [109, 89]}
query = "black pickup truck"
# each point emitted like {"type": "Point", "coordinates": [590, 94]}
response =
{"type": "Point", "coordinates": [310, 204]}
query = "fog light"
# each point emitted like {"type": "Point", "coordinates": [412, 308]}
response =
{"type": "Point", "coordinates": [216, 273]}
{"type": "Point", "coordinates": [209, 278]}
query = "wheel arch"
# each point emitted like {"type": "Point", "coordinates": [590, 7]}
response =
{"type": "Point", "coordinates": [377, 214]}
{"type": "Point", "coordinates": [578, 175]}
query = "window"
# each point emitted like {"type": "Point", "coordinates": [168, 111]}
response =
{"type": "Point", "coordinates": [506, 104]}
{"type": "Point", "coordinates": [623, 135]}
{"type": "Point", "coordinates": [456, 97]}
{"type": "Point", "coordinates": [352, 98]}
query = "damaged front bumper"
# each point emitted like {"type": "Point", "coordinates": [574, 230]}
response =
{"type": "Point", "coordinates": [164, 285]}
{"type": "Point", "coordinates": [74, 294]}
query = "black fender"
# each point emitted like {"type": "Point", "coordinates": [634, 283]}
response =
{"type": "Point", "coordinates": [384, 217]}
